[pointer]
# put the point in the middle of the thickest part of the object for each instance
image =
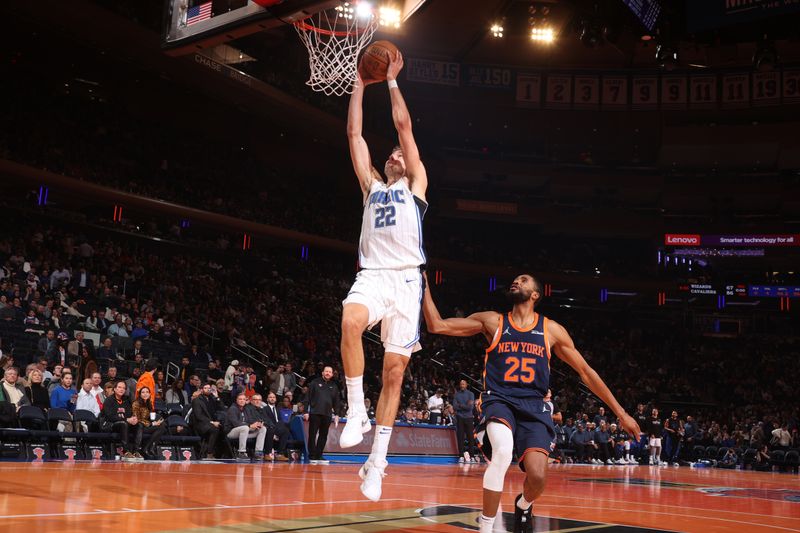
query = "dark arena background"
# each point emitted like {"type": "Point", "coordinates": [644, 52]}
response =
{"type": "Point", "coordinates": [177, 202]}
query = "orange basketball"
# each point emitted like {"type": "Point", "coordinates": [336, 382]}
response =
{"type": "Point", "coordinates": [375, 60]}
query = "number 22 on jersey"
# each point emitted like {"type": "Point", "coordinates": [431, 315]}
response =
{"type": "Point", "coordinates": [385, 216]}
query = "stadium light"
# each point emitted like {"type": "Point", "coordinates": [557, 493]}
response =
{"type": "Point", "coordinates": [497, 30]}
{"type": "Point", "coordinates": [389, 17]}
{"type": "Point", "coordinates": [363, 10]}
{"type": "Point", "coordinates": [543, 35]}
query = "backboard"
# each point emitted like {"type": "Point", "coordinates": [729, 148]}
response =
{"type": "Point", "coordinates": [192, 25]}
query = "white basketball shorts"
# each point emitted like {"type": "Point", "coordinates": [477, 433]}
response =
{"type": "Point", "coordinates": [394, 298]}
{"type": "Point", "coordinates": [655, 442]}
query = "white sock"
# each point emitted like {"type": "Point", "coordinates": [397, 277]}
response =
{"type": "Point", "coordinates": [355, 393]}
{"type": "Point", "coordinates": [486, 523]}
{"type": "Point", "coordinates": [380, 446]}
{"type": "Point", "coordinates": [523, 503]}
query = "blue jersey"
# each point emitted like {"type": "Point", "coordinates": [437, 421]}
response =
{"type": "Point", "coordinates": [518, 361]}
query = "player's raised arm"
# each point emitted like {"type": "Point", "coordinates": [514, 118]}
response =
{"type": "Point", "coordinates": [359, 152]}
{"type": "Point", "coordinates": [417, 176]}
{"type": "Point", "coordinates": [564, 348]}
{"type": "Point", "coordinates": [485, 322]}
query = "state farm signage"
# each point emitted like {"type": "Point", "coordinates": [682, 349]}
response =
{"type": "Point", "coordinates": [677, 239]}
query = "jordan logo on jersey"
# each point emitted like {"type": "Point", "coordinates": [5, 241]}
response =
{"type": "Point", "coordinates": [506, 332]}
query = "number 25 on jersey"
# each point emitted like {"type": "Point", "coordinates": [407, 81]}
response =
{"type": "Point", "coordinates": [520, 369]}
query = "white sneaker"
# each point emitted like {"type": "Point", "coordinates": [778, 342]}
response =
{"type": "Point", "coordinates": [609, 462]}
{"type": "Point", "coordinates": [663, 463]}
{"type": "Point", "coordinates": [353, 432]}
{"type": "Point", "coordinates": [313, 462]}
{"type": "Point", "coordinates": [633, 461]}
{"type": "Point", "coordinates": [461, 460]}
{"type": "Point", "coordinates": [676, 463]}
{"type": "Point", "coordinates": [467, 458]}
{"type": "Point", "coordinates": [373, 479]}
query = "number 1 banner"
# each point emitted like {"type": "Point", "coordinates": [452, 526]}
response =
{"type": "Point", "coordinates": [529, 90]}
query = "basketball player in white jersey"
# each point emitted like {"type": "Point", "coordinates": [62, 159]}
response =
{"type": "Point", "coordinates": [389, 287]}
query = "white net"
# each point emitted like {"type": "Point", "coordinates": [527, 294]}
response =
{"type": "Point", "coordinates": [334, 38]}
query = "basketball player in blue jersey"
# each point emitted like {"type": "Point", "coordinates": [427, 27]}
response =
{"type": "Point", "coordinates": [388, 288]}
{"type": "Point", "coordinates": [516, 379]}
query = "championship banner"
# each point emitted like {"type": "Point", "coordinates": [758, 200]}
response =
{"type": "Point", "coordinates": [529, 90]}
{"type": "Point", "coordinates": [488, 77]}
{"type": "Point", "coordinates": [434, 72]}
{"type": "Point", "coordinates": [615, 92]}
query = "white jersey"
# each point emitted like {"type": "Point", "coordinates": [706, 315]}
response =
{"type": "Point", "coordinates": [391, 229]}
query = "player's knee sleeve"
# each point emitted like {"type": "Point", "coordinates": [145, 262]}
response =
{"type": "Point", "coordinates": [502, 441]}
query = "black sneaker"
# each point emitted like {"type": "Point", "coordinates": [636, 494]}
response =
{"type": "Point", "coordinates": [523, 520]}
{"type": "Point", "coordinates": [242, 457]}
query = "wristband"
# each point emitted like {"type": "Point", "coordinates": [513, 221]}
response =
{"type": "Point", "coordinates": [392, 84]}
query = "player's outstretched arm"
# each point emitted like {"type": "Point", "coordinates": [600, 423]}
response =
{"type": "Point", "coordinates": [456, 327]}
{"type": "Point", "coordinates": [564, 348]}
{"type": "Point", "coordinates": [359, 152]}
{"type": "Point", "coordinates": [417, 176]}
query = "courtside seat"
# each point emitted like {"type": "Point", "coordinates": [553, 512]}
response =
{"type": "Point", "coordinates": [777, 458]}
{"type": "Point", "coordinates": [711, 452]}
{"type": "Point", "coordinates": [698, 452]}
{"type": "Point", "coordinates": [792, 460]}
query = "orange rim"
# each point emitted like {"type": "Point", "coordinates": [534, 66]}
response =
{"type": "Point", "coordinates": [303, 25]}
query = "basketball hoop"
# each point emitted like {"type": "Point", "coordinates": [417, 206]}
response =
{"type": "Point", "coordinates": [334, 38]}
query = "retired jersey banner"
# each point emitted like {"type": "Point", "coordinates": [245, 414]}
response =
{"type": "Point", "coordinates": [529, 90]}
{"type": "Point", "coordinates": [615, 92]}
{"type": "Point", "coordinates": [645, 92]}
{"type": "Point", "coordinates": [673, 92]}
{"type": "Point", "coordinates": [736, 90]}
{"type": "Point", "coordinates": [587, 92]}
{"type": "Point", "coordinates": [435, 72]}
{"type": "Point", "coordinates": [702, 92]}
{"type": "Point", "coordinates": [791, 86]}
{"type": "Point", "coordinates": [766, 88]}
{"type": "Point", "coordinates": [559, 91]}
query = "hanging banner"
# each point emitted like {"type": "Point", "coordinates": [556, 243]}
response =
{"type": "Point", "coordinates": [435, 72]}
{"type": "Point", "coordinates": [702, 92]}
{"type": "Point", "coordinates": [673, 92]}
{"type": "Point", "coordinates": [488, 77]}
{"type": "Point", "coordinates": [766, 88]}
{"type": "Point", "coordinates": [529, 90]}
{"type": "Point", "coordinates": [559, 92]}
{"type": "Point", "coordinates": [644, 94]}
{"type": "Point", "coordinates": [615, 92]}
{"type": "Point", "coordinates": [791, 86]}
{"type": "Point", "coordinates": [587, 92]}
{"type": "Point", "coordinates": [736, 90]}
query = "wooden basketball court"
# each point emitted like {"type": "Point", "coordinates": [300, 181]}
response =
{"type": "Point", "coordinates": [172, 496]}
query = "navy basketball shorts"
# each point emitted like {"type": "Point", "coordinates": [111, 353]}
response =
{"type": "Point", "coordinates": [530, 421]}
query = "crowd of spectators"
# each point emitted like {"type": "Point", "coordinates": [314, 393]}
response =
{"type": "Point", "coordinates": [63, 286]}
